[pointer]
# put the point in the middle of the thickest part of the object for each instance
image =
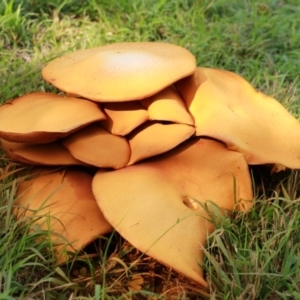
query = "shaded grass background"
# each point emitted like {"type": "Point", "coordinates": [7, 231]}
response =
{"type": "Point", "coordinates": [252, 256]}
{"type": "Point", "coordinates": [255, 39]}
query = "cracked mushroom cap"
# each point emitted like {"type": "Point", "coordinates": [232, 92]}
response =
{"type": "Point", "coordinates": [44, 117]}
{"type": "Point", "coordinates": [95, 146]}
{"type": "Point", "coordinates": [121, 71]}
{"type": "Point", "coordinates": [156, 205]}
{"type": "Point", "coordinates": [226, 107]}
{"type": "Point", "coordinates": [64, 196]}
{"type": "Point", "coordinates": [52, 154]}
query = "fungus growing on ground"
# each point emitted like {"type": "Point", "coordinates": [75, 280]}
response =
{"type": "Point", "coordinates": [95, 146]}
{"type": "Point", "coordinates": [123, 117]}
{"type": "Point", "coordinates": [168, 106]}
{"type": "Point", "coordinates": [62, 202]}
{"type": "Point", "coordinates": [153, 103]}
{"type": "Point", "coordinates": [45, 117]}
{"type": "Point", "coordinates": [121, 71]}
{"type": "Point", "coordinates": [226, 107]}
{"type": "Point", "coordinates": [51, 154]}
{"type": "Point", "coordinates": [154, 138]}
{"type": "Point", "coordinates": [155, 214]}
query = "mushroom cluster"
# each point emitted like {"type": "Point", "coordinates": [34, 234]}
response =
{"type": "Point", "coordinates": [139, 142]}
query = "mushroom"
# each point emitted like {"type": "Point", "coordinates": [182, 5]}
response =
{"type": "Point", "coordinates": [165, 181]}
{"type": "Point", "coordinates": [95, 146]}
{"type": "Point", "coordinates": [45, 117]}
{"type": "Point", "coordinates": [226, 107]}
{"type": "Point", "coordinates": [167, 105]}
{"type": "Point", "coordinates": [123, 117]}
{"type": "Point", "coordinates": [154, 138]}
{"type": "Point", "coordinates": [62, 202]}
{"type": "Point", "coordinates": [158, 205]}
{"type": "Point", "coordinates": [121, 71]}
{"type": "Point", "coordinates": [52, 154]}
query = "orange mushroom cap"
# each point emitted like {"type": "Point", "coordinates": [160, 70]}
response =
{"type": "Point", "coordinates": [155, 205]}
{"type": "Point", "coordinates": [152, 138]}
{"type": "Point", "coordinates": [52, 154]}
{"type": "Point", "coordinates": [226, 107]}
{"type": "Point", "coordinates": [123, 117]}
{"type": "Point", "coordinates": [167, 105]}
{"type": "Point", "coordinates": [95, 146]}
{"type": "Point", "coordinates": [121, 71]}
{"type": "Point", "coordinates": [44, 117]}
{"type": "Point", "coordinates": [63, 202]}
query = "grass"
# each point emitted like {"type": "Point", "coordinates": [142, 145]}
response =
{"type": "Point", "coordinates": [249, 256]}
{"type": "Point", "coordinates": [258, 252]}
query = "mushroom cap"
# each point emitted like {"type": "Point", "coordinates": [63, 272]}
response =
{"type": "Point", "coordinates": [152, 138]}
{"type": "Point", "coordinates": [123, 117]}
{"type": "Point", "coordinates": [44, 117]}
{"type": "Point", "coordinates": [121, 71]}
{"type": "Point", "coordinates": [63, 202]}
{"type": "Point", "coordinates": [167, 105]}
{"type": "Point", "coordinates": [226, 107]}
{"type": "Point", "coordinates": [52, 154]}
{"type": "Point", "coordinates": [95, 146]}
{"type": "Point", "coordinates": [154, 205]}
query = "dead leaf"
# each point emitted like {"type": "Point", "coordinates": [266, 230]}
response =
{"type": "Point", "coordinates": [278, 168]}
{"type": "Point", "coordinates": [135, 283]}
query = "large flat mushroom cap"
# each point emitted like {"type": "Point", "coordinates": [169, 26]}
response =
{"type": "Point", "coordinates": [44, 117]}
{"type": "Point", "coordinates": [167, 105]}
{"type": "Point", "coordinates": [123, 117]}
{"type": "Point", "coordinates": [121, 71]}
{"type": "Point", "coordinates": [52, 154]}
{"type": "Point", "coordinates": [154, 204]}
{"type": "Point", "coordinates": [226, 107]}
{"type": "Point", "coordinates": [152, 138]}
{"type": "Point", "coordinates": [95, 146]}
{"type": "Point", "coordinates": [64, 196]}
